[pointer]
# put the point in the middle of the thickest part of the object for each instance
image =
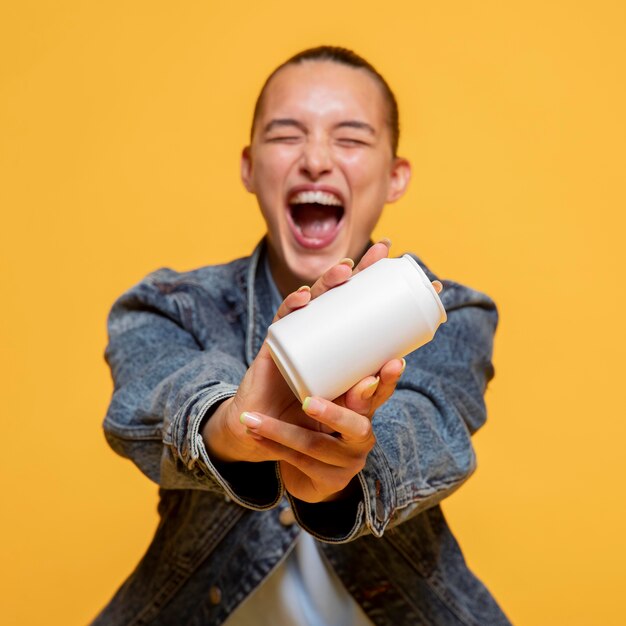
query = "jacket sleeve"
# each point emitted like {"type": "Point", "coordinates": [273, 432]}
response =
{"type": "Point", "coordinates": [166, 385]}
{"type": "Point", "coordinates": [423, 450]}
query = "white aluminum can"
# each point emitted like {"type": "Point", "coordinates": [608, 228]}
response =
{"type": "Point", "coordinates": [381, 313]}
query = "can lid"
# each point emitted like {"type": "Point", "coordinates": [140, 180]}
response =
{"type": "Point", "coordinates": [428, 284]}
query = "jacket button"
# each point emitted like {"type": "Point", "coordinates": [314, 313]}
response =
{"type": "Point", "coordinates": [286, 517]}
{"type": "Point", "coordinates": [215, 594]}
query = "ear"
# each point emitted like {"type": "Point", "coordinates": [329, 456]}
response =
{"type": "Point", "coordinates": [399, 181]}
{"type": "Point", "coordinates": [246, 169]}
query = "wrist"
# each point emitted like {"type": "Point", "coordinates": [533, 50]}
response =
{"type": "Point", "coordinates": [351, 490]}
{"type": "Point", "coordinates": [217, 436]}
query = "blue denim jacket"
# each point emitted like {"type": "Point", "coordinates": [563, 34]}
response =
{"type": "Point", "coordinates": [179, 345]}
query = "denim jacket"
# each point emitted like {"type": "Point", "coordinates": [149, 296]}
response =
{"type": "Point", "coordinates": [179, 344]}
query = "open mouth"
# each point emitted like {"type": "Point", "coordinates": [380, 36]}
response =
{"type": "Point", "coordinates": [315, 217]}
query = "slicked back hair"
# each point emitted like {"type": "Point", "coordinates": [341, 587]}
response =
{"type": "Point", "coordinates": [343, 56]}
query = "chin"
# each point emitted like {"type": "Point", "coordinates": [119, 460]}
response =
{"type": "Point", "coordinates": [311, 269]}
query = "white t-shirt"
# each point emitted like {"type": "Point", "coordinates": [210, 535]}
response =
{"type": "Point", "coordinates": [302, 591]}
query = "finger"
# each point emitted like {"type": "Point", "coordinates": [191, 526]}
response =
{"type": "Point", "coordinates": [359, 397]}
{"type": "Point", "coordinates": [371, 392]}
{"type": "Point", "coordinates": [307, 478]}
{"type": "Point", "coordinates": [334, 276]}
{"type": "Point", "coordinates": [295, 300]}
{"type": "Point", "coordinates": [352, 427]}
{"type": "Point", "coordinates": [375, 253]}
{"type": "Point", "coordinates": [438, 286]}
{"type": "Point", "coordinates": [322, 447]}
{"type": "Point", "coordinates": [390, 374]}
{"type": "Point", "coordinates": [314, 482]}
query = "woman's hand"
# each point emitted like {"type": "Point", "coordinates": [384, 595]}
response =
{"type": "Point", "coordinates": [321, 445]}
{"type": "Point", "coordinates": [315, 466]}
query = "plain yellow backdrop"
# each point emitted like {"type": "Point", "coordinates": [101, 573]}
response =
{"type": "Point", "coordinates": [121, 125]}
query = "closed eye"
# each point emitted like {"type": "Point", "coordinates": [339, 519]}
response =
{"type": "Point", "coordinates": [284, 139]}
{"type": "Point", "coordinates": [351, 142]}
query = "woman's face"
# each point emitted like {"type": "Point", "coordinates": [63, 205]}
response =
{"type": "Point", "coordinates": [322, 167]}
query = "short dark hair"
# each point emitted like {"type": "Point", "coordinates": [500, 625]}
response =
{"type": "Point", "coordinates": [347, 57]}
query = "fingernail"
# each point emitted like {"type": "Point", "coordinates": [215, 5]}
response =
{"type": "Point", "coordinates": [370, 390]}
{"type": "Point", "coordinates": [303, 288]}
{"type": "Point", "coordinates": [386, 241]}
{"type": "Point", "coordinates": [348, 262]}
{"type": "Point", "coordinates": [251, 421]}
{"type": "Point", "coordinates": [403, 365]}
{"type": "Point", "coordinates": [312, 406]}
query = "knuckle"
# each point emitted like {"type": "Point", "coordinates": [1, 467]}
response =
{"type": "Point", "coordinates": [360, 466]}
{"type": "Point", "coordinates": [312, 446]}
{"type": "Point", "coordinates": [303, 461]}
{"type": "Point", "coordinates": [364, 430]}
{"type": "Point", "coordinates": [370, 443]}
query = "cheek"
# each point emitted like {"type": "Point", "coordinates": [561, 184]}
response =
{"type": "Point", "coordinates": [269, 175]}
{"type": "Point", "coordinates": [266, 176]}
{"type": "Point", "coordinates": [272, 163]}
{"type": "Point", "coordinates": [368, 174]}
{"type": "Point", "coordinates": [369, 182]}
{"type": "Point", "coordinates": [370, 194]}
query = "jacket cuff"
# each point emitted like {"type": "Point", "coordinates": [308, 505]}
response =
{"type": "Point", "coordinates": [380, 491]}
{"type": "Point", "coordinates": [254, 485]}
{"type": "Point", "coordinates": [368, 508]}
{"type": "Point", "coordinates": [336, 521]}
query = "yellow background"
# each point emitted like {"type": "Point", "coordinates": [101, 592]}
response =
{"type": "Point", "coordinates": [121, 125]}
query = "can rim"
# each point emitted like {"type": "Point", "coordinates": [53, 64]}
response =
{"type": "Point", "coordinates": [428, 284]}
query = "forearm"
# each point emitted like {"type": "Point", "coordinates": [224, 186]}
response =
{"type": "Point", "coordinates": [423, 451]}
{"type": "Point", "coordinates": [167, 384]}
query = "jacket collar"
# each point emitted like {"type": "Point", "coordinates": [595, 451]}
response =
{"type": "Point", "coordinates": [258, 302]}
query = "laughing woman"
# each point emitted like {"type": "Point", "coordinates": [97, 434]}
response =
{"type": "Point", "coordinates": [275, 512]}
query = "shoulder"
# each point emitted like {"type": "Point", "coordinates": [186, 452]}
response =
{"type": "Point", "coordinates": [226, 280]}
{"type": "Point", "coordinates": [208, 277]}
{"type": "Point", "coordinates": [212, 290]}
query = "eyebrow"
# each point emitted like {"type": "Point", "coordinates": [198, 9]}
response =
{"type": "Point", "coordinates": [286, 122]}
{"type": "Point", "coordinates": [358, 125]}
{"type": "Point", "coordinates": [281, 122]}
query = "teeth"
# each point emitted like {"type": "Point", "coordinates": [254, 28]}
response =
{"type": "Point", "coordinates": [316, 197]}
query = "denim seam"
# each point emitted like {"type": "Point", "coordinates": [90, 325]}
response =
{"type": "Point", "coordinates": [250, 279]}
{"type": "Point", "coordinates": [195, 441]}
{"type": "Point", "coordinates": [131, 433]}
{"type": "Point", "coordinates": [389, 501]}
{"type": "Point", "coordinates": [245, 594]}
{"type": "Point", "coordinates": [436, 591]}
{"type": "Point", "coordinates": [176, 437]}
{"type": "Point", "coordinates": [210, 470]}
{"type": "Point", "coordinates": [447, 601]}
{"type": "Point", "coordinates": [182, 572]}
{"type": "Point", "coordinates": [352, 533]}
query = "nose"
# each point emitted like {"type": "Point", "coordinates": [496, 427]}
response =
{"type": "Point", "coordinates": [316, 159]}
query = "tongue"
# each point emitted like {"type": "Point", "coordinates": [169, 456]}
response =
{"type": "Point", "coordinates": [315, 220]}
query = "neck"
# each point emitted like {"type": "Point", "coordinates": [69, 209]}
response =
{"type": "Point", "coordinates": [286, 282]}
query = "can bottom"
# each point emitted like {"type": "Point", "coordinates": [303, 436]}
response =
{"type": "Point", "coordinates": [286, 368]}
